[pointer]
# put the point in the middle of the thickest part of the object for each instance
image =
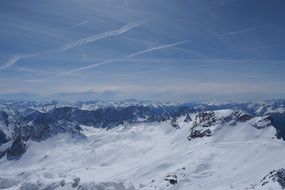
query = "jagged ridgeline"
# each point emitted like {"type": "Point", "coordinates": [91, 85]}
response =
{"type": "Point", "coordinates": [184, 144]}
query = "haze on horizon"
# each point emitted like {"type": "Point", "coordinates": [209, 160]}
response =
{"type": "Point", "coordinates": [163, 49]}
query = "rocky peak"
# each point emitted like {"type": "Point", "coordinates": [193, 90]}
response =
{"type": "Point", "coordinates": [188, 118]}
{"type": "Point", "coordinates": [237, 116]}
{"type": "Point", "coordinates": [205, 119]}
{"type": "Point", "coordinates": [262, 122]}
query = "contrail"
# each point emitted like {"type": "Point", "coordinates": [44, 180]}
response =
{"type": "Point", "coordinates": [122, 59]}
{"type": "Point", "coordinates": [89, 67]}
{"type": "Point", "coordinates": [157, 48]}
{"type": "Point", "coordinates": [76, 25]}
{"type": "Point", "coordinates": [13, 60]}
{"type": "Point", "coordinates": [101, 36]}
{"type": "Point", "coordinates": [239, 31]}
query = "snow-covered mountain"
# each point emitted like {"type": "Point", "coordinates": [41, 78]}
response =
{"type": "Point", "coordinates": [131, 145]}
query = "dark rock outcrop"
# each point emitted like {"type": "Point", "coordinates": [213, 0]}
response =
{"type": "Point", "coordinates": [188, 118]}
{"type": "Point", "coordinates": [199, 134]}
{"type": "Point", "coordinates": [3, 138]}
{"type": "Point", "coordinates": [205, 119]}
{"type": "Point", "coordinates": [280, 174]}
{"type": "Point", "coordinates": [275, 176]}
{"type": "Point", "coordinates": [263, 122]}
{"type": "Point", "coordinates": [174, 124]}
{"type": "Point", "coordinates": [18, 148]}
{"type": "Point", "coordinates": [75, 182]}
{"type": "Point", "coordinates": [238, 116]}
{"type": "Point", "coordinates": [172, 178]}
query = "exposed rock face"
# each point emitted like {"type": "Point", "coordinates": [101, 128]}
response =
{"type": "Point", "coordinates": [263, 122]}
{"type": "Point", "coordinates": [280, 174]}
{"type": "Point", "coordinates": [205, 119]}
{"type": "Point", "coordinates": [18, 148]}
{"type": "Point", "coordinates": [242, 117]}
{"type": "Point", "coordinates": [238, 116]}
{"type": "Point", "coordinates": [174, 124]}
{"type": "Point", "coordinates": [75, 182]}
{"type": "Point", "coordinates": [172, 179]}
{"type": "Point", "coordinates": [3, 137]}
{"type": "Point", "coordinates": [199, 134]}
{"type": "Point", "coordinates": [206, 122]}
{"type": "Point", "coordinates": [4, 117]}
{"type": "Point", "coordinates": [188, 118]}
{"type": "Point", "coordinates": [275, 176]}
{"type": "Point", "coordinates": [4, 123]}
{"type": "Point", "coordinates": [2, 153]}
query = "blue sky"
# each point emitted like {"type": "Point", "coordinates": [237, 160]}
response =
{"type": "Point", "coordinates": [150, 49]}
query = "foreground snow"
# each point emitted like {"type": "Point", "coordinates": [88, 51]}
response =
{"type": "Point", "coordinates": [141, 156]}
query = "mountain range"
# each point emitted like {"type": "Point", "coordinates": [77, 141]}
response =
{"type": "Point", "coordinates": [131, 145]}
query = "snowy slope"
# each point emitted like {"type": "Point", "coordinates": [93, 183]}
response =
{"type": "Point", "coordinates": [237, 155]}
